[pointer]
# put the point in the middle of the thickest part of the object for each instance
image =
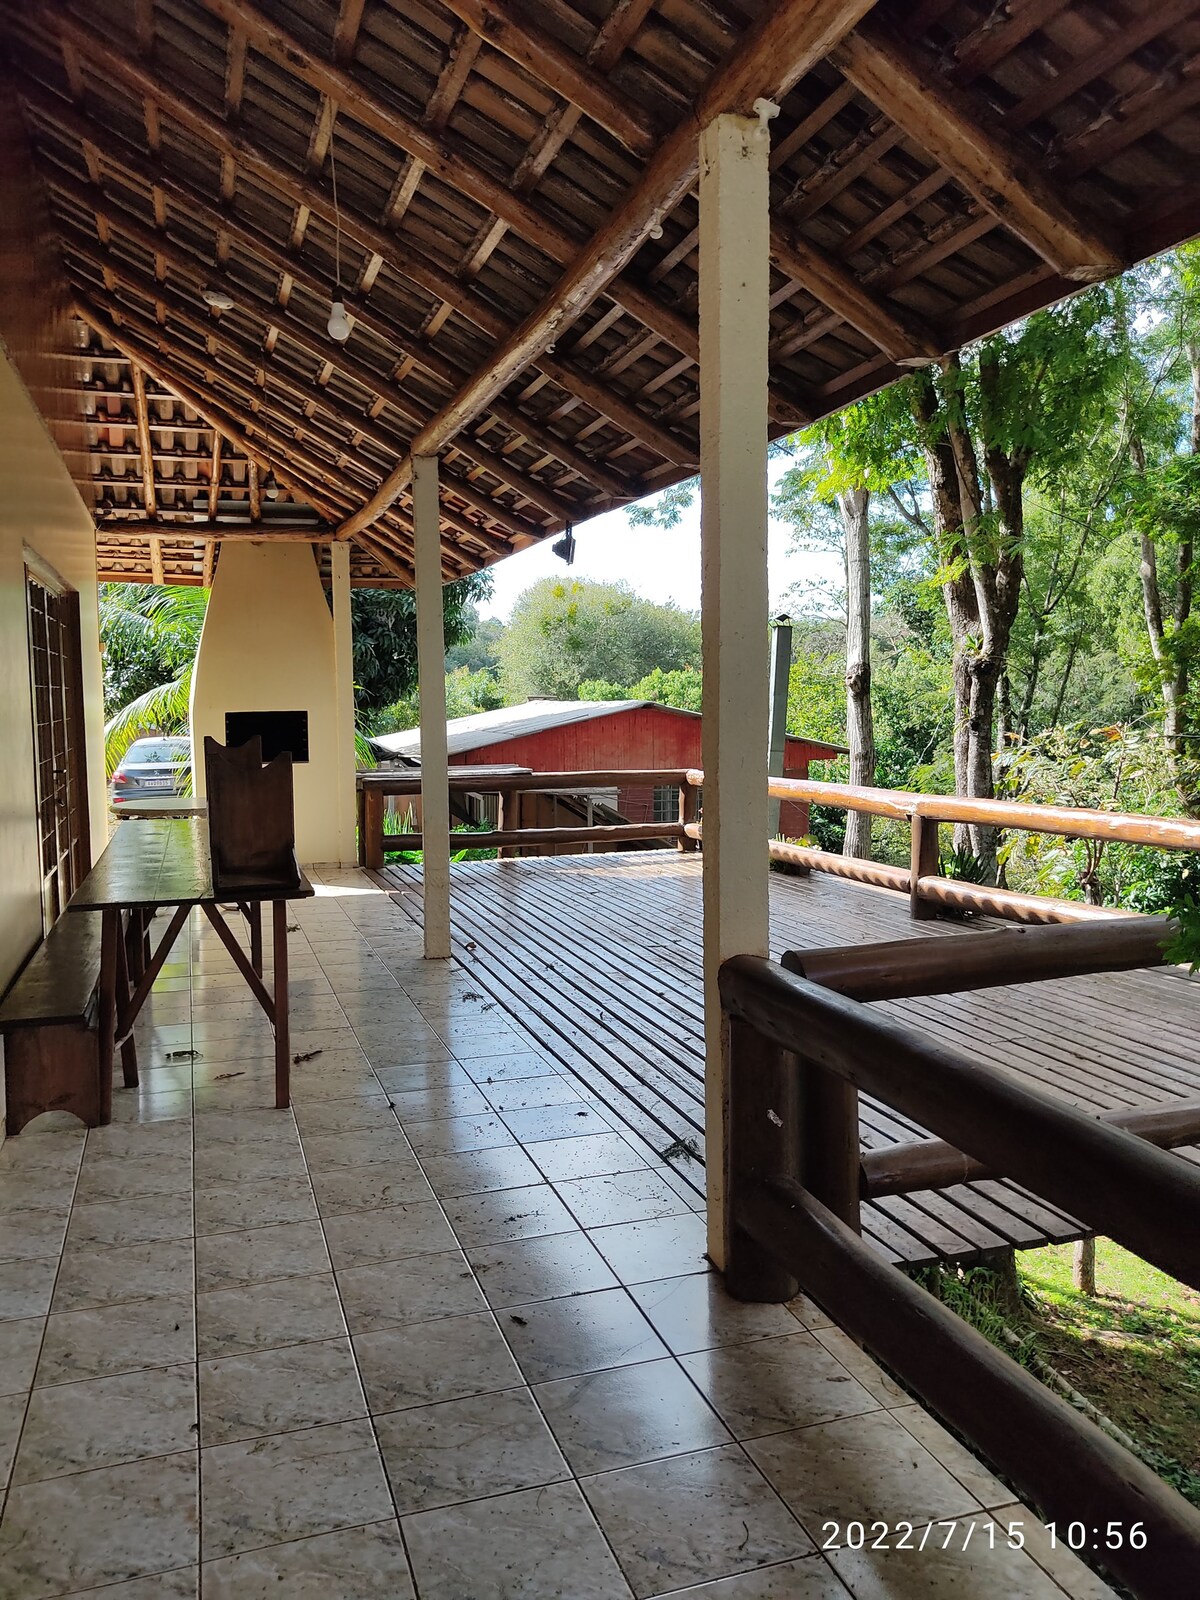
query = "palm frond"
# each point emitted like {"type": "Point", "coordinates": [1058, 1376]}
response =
{"type": "Point", "coordinates": [163, 709]}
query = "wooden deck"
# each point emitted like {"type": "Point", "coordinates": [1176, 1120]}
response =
{"type": "Point", "coordinates": [600, 957]}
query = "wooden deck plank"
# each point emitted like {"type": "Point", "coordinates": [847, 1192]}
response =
{"type": "Point", "coordinates": [600, 957]}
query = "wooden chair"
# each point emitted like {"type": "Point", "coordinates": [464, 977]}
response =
{"type": "Point", "coordinates": [251, 819]}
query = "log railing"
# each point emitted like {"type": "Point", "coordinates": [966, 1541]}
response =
{"type": "Point", "coordinates": [375, 787]}
{"type": "Point", "coordinates": [799, 1053]}
{"type": "Point", "coordinates": [922, 881]}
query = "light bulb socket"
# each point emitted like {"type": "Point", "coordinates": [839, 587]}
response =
{"type": "Point", "coordinates": [270, 485]}
{"type": "Point", "coordinates": [218, 299]}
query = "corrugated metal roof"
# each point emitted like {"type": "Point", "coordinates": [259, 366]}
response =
{"type": "Point", "coordinates": [510, 722]}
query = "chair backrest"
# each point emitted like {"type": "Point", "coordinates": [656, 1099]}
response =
{"type": "Point", "coordinates": [251, 817]}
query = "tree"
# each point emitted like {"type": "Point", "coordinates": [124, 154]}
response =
{"type": "Point", "coordinates": [564, 633]}
{"type": "Point", "coordinates": [149, 637]}
{"type": "Point", "coordinates": [860, 725]}
{"type": "Point", "coordinates": [479, 651]}
{"type": "Point", "coordinates": [385, 636]}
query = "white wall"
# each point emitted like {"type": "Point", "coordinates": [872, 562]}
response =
{"type": "Point", "coordinates": [40, 510]}
{"type": "Point", "coordinates": [42, 513]}
{"type": "Point", "coordinates": [268, 645]}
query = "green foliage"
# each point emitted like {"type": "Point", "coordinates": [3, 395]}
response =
{"type": "Point", "coordinates": [385, 636]}
{"type": "Point", "coordinates": [1110, 768]}
{"type": "Point", "coordinates": [466, 693]}
{"type": "Point", "coordinates": [683, 687]}
{"type": "Point", "coordinates": [480, 650]}
{"type": "Point", "coordinates": [567, 632]}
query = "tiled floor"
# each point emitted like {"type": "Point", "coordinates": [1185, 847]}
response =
{"type": "Point", "coordinates": [440, 1332]}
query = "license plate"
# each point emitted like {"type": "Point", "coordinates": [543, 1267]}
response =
{"type": "Point", "coordinates": [156, 783]}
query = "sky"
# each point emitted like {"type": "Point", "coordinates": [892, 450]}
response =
{"type": "Point", "coordinates": [660, 563]}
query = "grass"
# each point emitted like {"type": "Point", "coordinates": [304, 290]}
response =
{"type": "Point", "coordinates": [1132, 1349]}
{"type": "Point", "coordinates": [400, 822]}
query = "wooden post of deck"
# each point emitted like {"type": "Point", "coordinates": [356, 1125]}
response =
{"type": "Point", "coordinates": [431, 674]}
{"type": "Point", "coordinates": [734, 290]}
{"type": "Point", "coordinates": [343, 668]}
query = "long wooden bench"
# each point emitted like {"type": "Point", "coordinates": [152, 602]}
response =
{"type": "Point", "coordinates": [48, 1020]}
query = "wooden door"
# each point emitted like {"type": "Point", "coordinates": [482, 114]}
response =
{"type": "Point", "coordinates": [60, 766]}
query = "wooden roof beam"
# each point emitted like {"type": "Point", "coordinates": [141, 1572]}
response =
{"type": "Point", "coordinates": [314, 469]}
{"type": "Point", "coordinates": [964, 136]}
{"type": "Point", "coordinates": [385, 120]}
{"type": "Point", "coordinates": [367, 236]}
{"type": "Point", "coordinates": [900, 335]}
{"type": "Point", "coordinates": [221, 533]}
{"type": "Point", "coordinates": [214, 414]}
{"type": "Point", "coordinates": [501, 24]}
{"type": "Point", "coordinates": [778, 48]}
{"type": "Point", "coordinates": [902, 338]}
{"type": "Point", "coordinates": [453, 486]}
{"type": "Point", "coordinates": [316, 343]}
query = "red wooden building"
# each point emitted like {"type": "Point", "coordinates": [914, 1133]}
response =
{"type": "Point", "coordinates": [598, 736]}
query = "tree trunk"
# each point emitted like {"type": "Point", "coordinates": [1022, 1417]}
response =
{"type": "Point", "coordinates": [860, 726]}
{"type": "Point", "coordinates": [1084, 1272]}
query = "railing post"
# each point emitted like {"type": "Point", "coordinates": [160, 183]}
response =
{"type": "Point", "coordinates": [762, 1142]}
{"type": "Point", "coordinates": [924, 862]}
{"type": "Point", "coordinates": [361, 810]}
{"type": "Point", "coordinates": [689, 812]}
{"type": "Point", "coordinates": [830, 1159]}
{"type": "Point", "coordinates": [372, 846]}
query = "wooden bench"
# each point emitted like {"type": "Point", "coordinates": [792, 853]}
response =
{"type": "Point", "coordinates": [48, 1020]}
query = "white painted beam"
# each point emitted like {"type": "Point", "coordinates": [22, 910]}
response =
{"type": "Point", "coordinates": [734, 290]}
{"type": "Point", "coordinates": [343, 670]}
{"type": "Point", "coordinates": [431, 674]}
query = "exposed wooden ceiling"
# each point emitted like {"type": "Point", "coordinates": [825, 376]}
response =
{"type": "Point", "coordinates": [504, 192]}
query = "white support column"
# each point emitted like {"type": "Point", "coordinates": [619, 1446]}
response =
{"type": "Point", "coordinates": [343, 670]}
{"type": "Point", "coordinates": [734, 284]}
{"type": "Point", "coordinates": [431, 675]}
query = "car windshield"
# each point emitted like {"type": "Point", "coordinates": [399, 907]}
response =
{"type": "Point", "coordinates": [160, 752]}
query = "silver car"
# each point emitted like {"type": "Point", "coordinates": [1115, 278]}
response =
{"type": "Point", "coordinates": [155, 766]}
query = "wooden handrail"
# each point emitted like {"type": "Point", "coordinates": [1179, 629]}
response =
{"type": "Point", "coordinates": [1062, 1462]}
{"type": "Point", "coordinates": [529, 782]}
{"type": "Point", "coordinates": [933, 1164]}
{"type": "Point", "coordinates": [373, 787]}
{"type": "Point", "coordinates": [902, 968]}
{"type": "Point", "coordinates": [1123, 1187]}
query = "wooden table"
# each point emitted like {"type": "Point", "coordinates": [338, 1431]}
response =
{"type": "Point", "coordinates": [152, 865]}
{"type": "Point", "coordinates": [158, 806]}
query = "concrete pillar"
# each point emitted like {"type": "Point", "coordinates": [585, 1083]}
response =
{"type": "Point", "coordinates": [343, 671]}
{"type": "Point", "coordinates": [734, 285]}
{"type": "Point", "coordinates": [781, 670]}
{"type": "Point", "coordinates": [431, 672]}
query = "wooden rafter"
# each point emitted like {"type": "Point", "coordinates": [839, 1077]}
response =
{"type": "Point", "coordinates": [368, 236]}
{"type": "Point", "coordinates": [906, 85]}
{"type": "Point", "coordinates": [223, 533]}
{"type": "Point", "coordinates": [505, 28]}
{"type": "Point", "coordinates": [779, 47]}
{"type": "Point", "coordinates": [213, 413]}
{"type": "Point", "coordinates": [321, 348]}
{"type": "Point", "coordinates": [146, 458]}
{"type": "Point", "coordinates": [901, 338]}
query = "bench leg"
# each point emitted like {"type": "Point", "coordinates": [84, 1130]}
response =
{"type": "Point", "coordinates": [283, 1044]}
{"type": "Point", "coordinates": [55, 1068]}
{"type": "Point", "coordinates": [129, 1064]}
{"type": "Point", "coordinates": [110, 937]}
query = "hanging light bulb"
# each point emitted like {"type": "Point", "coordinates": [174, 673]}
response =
{"type": "Point", "coordinates": [270, 485]}
{"type": "Point", "coordinates": [339, 323]}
